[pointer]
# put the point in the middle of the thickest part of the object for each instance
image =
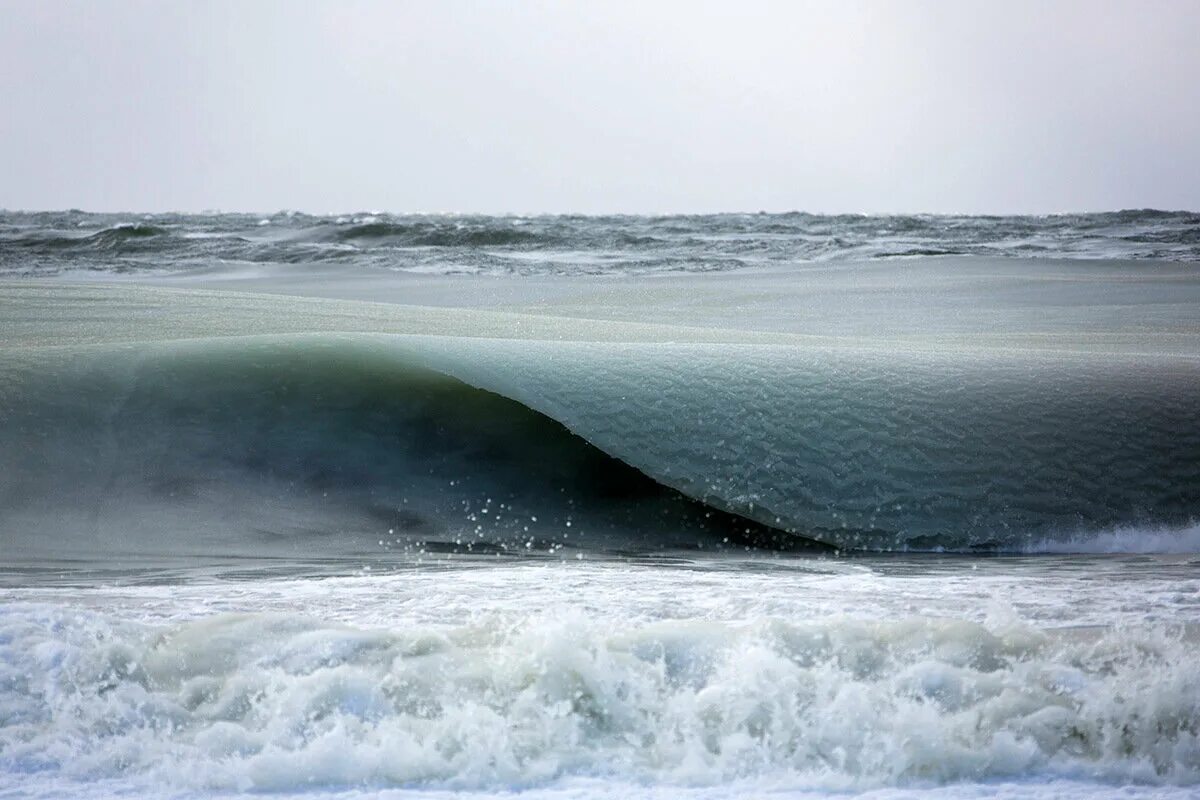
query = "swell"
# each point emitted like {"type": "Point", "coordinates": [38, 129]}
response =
{"type": "Point", "coordinates": [116, 239]}
{"type": "Point", "coordinates": [314, 449]}
{"type": "Point", "coordinates": [415, 234]}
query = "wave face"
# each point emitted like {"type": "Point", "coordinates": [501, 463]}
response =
{"type": "Point", "coordinates": [349, 444]}
{"type": "Point", "coordinates": [270, 702]}
{"type": "Point", "coordinates": [56, 242]}
{"type": "Point", "coordinates": [317, 451]}
{"type": "Point", "coordinates": [891, 450]}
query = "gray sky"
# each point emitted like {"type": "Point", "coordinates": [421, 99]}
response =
{"type": "Point", "coordinates": [600, 107]}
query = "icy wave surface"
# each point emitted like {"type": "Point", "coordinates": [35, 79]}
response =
{"type": "Point", "coordinates": [857, 444]}
{"type": "Point", "coordinates": [313, 449]}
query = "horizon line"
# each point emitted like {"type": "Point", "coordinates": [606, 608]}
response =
{"type": "Point", "coordinates": [593, 214]}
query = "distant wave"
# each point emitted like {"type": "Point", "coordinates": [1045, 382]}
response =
{"type": "Point", "coordinates": [115, 238]}
{"type": "Point", "coordinates": [1127, 539]}
{"type": "Point", "coordinates": [52, 242]}
{"type": "Point", "coordinates": [920, 251]}
{"type": "Point", "coordinates": [439, 235]}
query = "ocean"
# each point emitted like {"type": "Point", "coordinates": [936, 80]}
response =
{"type": "Point", "coordinates": [745, 505]}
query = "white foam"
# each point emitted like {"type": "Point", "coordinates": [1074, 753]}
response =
{"type": "Point", "coordinates": [884, 677]}
{"type": "Point", "coordinates": [278, 703]}
{"type": "Point", "coordinates": [1154, 539]}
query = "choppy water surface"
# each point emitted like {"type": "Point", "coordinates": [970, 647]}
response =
{"type": "Point", "coordinates": [50, 242]}
{"type": "Point", "coordinates": [561, 507]}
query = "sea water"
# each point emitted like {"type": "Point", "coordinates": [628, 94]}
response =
{"type": "Point", "coordinates": [735, 506]}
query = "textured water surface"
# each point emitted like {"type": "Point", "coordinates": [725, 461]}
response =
{"type": "Point", "coordinates": [49, 242]}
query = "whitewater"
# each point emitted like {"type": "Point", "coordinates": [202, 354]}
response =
{"type": "Point", "coordinates": [731, 506]}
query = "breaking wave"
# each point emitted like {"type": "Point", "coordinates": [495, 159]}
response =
{"type": "Point", "coordinates": [1128, 539]}
{"type": "Point", "coordinates": [358, 445]}
{"type": "Point", "coordinates": [319, 450]}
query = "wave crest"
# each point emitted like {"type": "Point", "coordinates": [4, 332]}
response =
{"type": "Point", "coordinates": [418, 234]}
{"type": "Point", "coordinates": [856, 449]}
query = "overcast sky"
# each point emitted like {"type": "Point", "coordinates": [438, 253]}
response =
{"type": "Point", "coordinates": [600, 107]}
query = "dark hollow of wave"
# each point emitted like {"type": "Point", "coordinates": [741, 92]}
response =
{"type": "Point", "coordinates": [277, 452]}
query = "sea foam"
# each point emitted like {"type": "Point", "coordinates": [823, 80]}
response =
{"type": "Point", "coordinates": [282, 703]}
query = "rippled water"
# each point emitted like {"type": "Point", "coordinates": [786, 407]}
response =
{"type": "Point", "coordinates": [51, 242]}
